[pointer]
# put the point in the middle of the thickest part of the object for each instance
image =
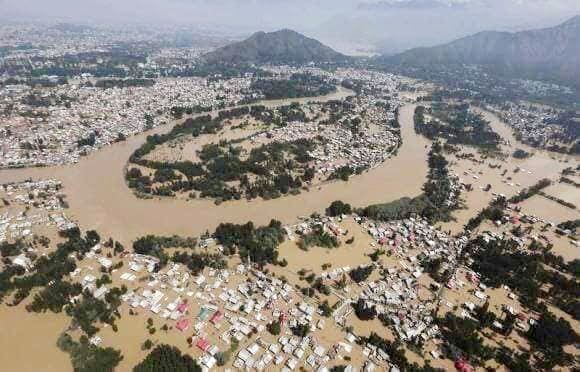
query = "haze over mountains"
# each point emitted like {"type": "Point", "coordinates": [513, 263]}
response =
{"type": "Point", "coordinates": [545, 54]}
{"type": "Point", "coordinates": [284, 46]}
{"type": "Point", "coordinates": [550, 53]}
{"type": "Point", "coordinates": [348, 26]}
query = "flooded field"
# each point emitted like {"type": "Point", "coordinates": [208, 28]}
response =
{"type": "Point", "coordinates": [28, 341]}
{"type": "Point", "coordinates": [520, 173]}
{"type": "Point", "coordinates": [566, 192]}
{"type": "Point", "coordinates": [549, 209]}
{"type": "Point", "coordinates": [99, 198]}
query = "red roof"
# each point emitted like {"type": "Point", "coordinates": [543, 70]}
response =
{"type": "Point", "coordinates": [182, 324]}
{"type": "Point", "coordinates": [216, 317]}
{"type": "Point", "coordinates": [463, 366]}
{"type": "Point", "coordinates": [203, 344]}
{"type": "Point", "coordinates": [182, 308]}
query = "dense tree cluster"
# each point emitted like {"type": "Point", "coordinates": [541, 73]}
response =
{"type": "Point", "coordinates": [123, 83]}
{"type": "Point", "coordinates": [501, 262]}
{"type": "Point", "coordinates": [166, 358]}
{"type": "Point", "coordinates": [363, 310]}
{"type": "Point", "coordinates": [301, 330]}
{"type": "Point", "coordinates": [155, 246]}
{"type": "Point", "coordinates": [274, 328]}
{"type": "Point", "coordinates": [8, 249]}
{"type": "Point", "coordinates": [260, 245]}
{"type": "Point", "coordinates": [456, 124]}
{"type": "Point", "coordinates": [298, 85]}
{"type": "Point", "coordinates": [463, 334]}
{"type": "Point", "coordinates": [548, 335]}
{"type": "Point", "coordinates": [54, 297]}
{"type": "Point", "coordinates": [521, 154]}
{"type": "Point", "coordinates": [50, 268]}
{"type": "Point", "coordinates": [571, 225]}
{"type": "Point", "coordinates": [89, 140]}
{"type": "Point", "coordinates": [196, 262]}
{"type": "Point", "coordinates": [318, 237]}
{"type": "Point", "coordinates": [86, 357]}
{"type": "Point", "coordinates": [178, 111]}
{"type": "Point", "coordinates": [568, 121]}
{"type": "Point", "coordinates": [88, 310]}
{"type": "Point", "coordinates": [343, 173]}
{"type": "Point", "coordinates": [338, 208]}
{"type": "Point", "coordinates": [361, 273]}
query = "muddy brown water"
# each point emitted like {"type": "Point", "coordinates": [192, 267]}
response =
{"type": "Point", "coordinates": [99, 198]}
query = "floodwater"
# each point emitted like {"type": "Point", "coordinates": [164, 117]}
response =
{"type": "Point", "coordinates": [28, 341]}
{"type": "Point", "coordinates": [541, 164]}
{"type": "Point", "coordinates": [99, 198]}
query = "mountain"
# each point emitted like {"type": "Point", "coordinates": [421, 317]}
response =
{"type": "Point", "coordinates": [550, 53]}
{"type": "Point", "coordinates": [284, 46]}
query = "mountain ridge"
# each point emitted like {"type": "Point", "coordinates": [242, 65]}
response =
{"type": "Point", "coordinates": [282, 46]}
{"type": "Point", "coordinates": [553, 52]}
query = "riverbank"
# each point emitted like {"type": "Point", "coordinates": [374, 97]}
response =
{"type": "Point", "coordinates": [99, 198]}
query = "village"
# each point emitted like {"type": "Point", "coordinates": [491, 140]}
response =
{"type": "Point", "coordinates": [541, 127]}
{"type": "Point", "coordinates": [30, 205]}
{"type": "Point", "coordinates": [90, 118]}
{"type": "Point", "coordinates": [241, 317]}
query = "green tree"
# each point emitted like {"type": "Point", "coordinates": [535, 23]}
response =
{"type": "Point", "coordinates": [166, 358]}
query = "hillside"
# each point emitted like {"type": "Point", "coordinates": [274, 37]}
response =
{"type": "Point", "coordinates": [551, 53]}
{"type": "Point", "coordinates": [284, 46]}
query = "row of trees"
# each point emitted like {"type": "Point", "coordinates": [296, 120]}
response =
{"type": "Point", "coordinates": [436, 203]}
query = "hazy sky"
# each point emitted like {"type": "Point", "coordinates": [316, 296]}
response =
{"type": "Point", "coordinates": [392, 24]}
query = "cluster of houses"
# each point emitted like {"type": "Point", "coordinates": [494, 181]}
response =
{"type": "Point", "coordinates": [34, 203]}
{"type": "Point", "coordinates": [396, 295]}
{"type": "Point", "coordinates": [221, 307]}
{"type": "Point", "coordinates": [92, 118]}
{"type": "Point", "coordinates": [230, 311]}
{"type": "Point", "coordinates": [534, 126]}
{"type": "Point", "coordinates": [338, 144]}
